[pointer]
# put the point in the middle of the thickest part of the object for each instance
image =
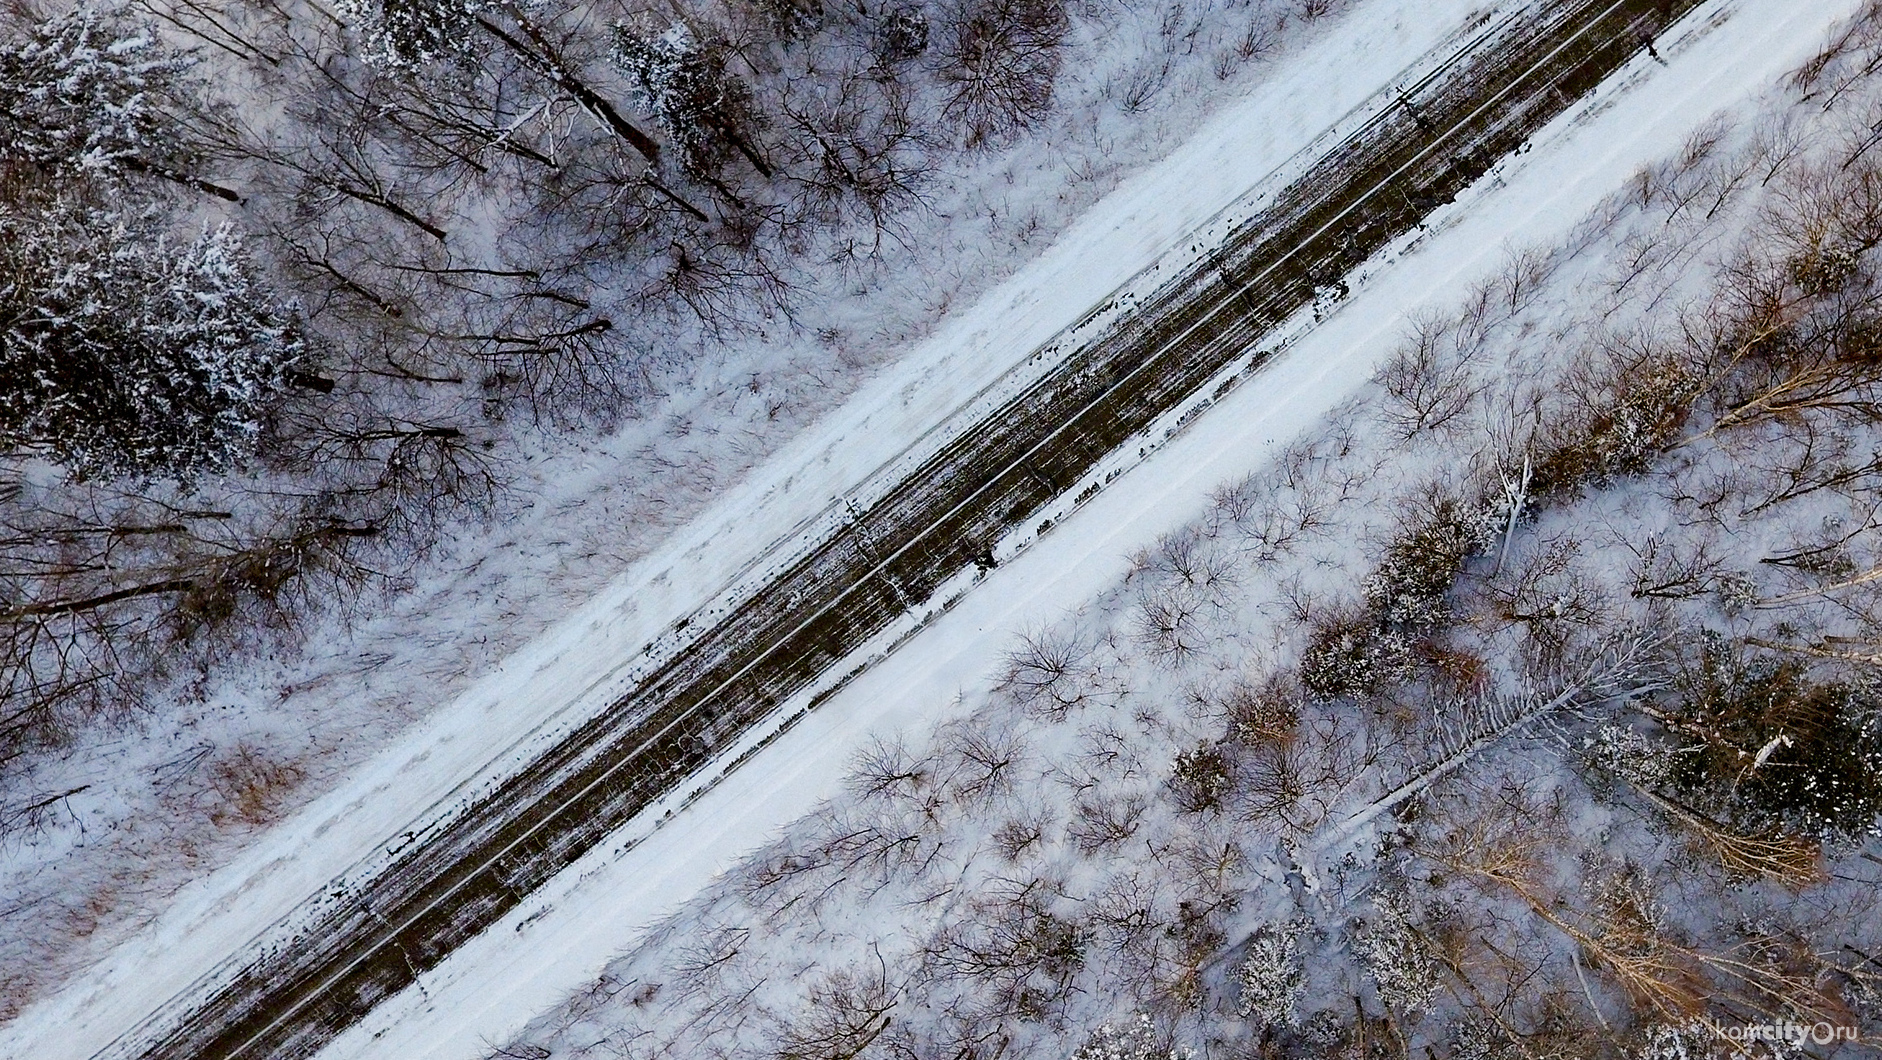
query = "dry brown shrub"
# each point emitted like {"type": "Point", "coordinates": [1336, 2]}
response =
{"type": "Point", "coordinates": [15, 991]}
{"type": "Point", "coordinates": [249, 786]}
{"type": "Point", "coordinates": [1793, 861]}
{"type": "Point", "coordinates": [1623, 932]}
{"type": "Point", "coordinates": [1455, 669]}
{"type": "Point", "coordinates": [1264, 713]}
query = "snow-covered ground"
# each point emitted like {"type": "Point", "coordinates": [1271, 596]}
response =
{"type": "Point", "coordinates": [130, 810]}
{"type": "Point", "coordinates": [1730, 55]}
{"type": "Point", "coordinates": [585, 660]}
{"type": "Point", "coordinates": [559, 939]}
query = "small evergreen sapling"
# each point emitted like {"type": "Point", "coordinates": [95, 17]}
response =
{"type": "Point", "coordinates": [1353, 655]}
{"type": "Point", "coordinates": [1200, 778]}
{"type": "Point", "coordinates": [1409, 588]}
{"type": "Point", "coordinates": [1274, 977]}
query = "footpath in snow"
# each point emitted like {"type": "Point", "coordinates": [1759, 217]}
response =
{"type": "Point", "coordinates": [559, 939]}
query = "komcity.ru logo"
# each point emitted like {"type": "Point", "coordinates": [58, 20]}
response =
{"type": "Point", "coordinates": [1819, 1033]}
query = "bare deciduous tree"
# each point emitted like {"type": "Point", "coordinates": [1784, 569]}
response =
{"type": "Point", "coordinates": [1052, 672]}
{"type": "Point", "coordinates": [1000, 58]}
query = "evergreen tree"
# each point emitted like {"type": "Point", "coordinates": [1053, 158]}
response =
{"type": "Point", "coordinates": [1274, 977]}
{"type": "Point", "coordinates": [704, 109]}
{"type": "Point", "coordinates": [88, 93]}
{"type": "Point", "coordinates": [901, 34]}
{"type": "Point", "coordinates": [1139, 1040]}
{"type": "Point", "coordinates": [408, 35]}
{"type": "Point", "coordinates": [413, 33]}
{"type": "Point", "coordinates": [123, 353]}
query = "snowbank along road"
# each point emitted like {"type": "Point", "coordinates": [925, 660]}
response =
{"type": "Point", "coordinates": [946, 517]}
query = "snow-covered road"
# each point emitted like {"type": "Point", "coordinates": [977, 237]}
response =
{"type": "Point", "coordinates": [561, 936]}
{"type": "Point", "coordinates": [548, 688]}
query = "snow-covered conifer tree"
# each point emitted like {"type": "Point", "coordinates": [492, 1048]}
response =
{"type": "Point", "coordinates": [1137, 1041]}
{"type": "Point", "coordinates": [125, 353]}
{"type": "Point", "coordinates": [86, 93]}
{"type": "Point", "coordinates": [1663, 1042]}
{"type": "Point", "coordinates": [702, 106]}
{"type": "Point", "coordinates": [901, 34]}
{"type": "Point", "coordinates": [1274, 976]}
{"type": "Point", "coordinates": [412, 33]}
{"type": "Point", "coordinates": [1396, 955]}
